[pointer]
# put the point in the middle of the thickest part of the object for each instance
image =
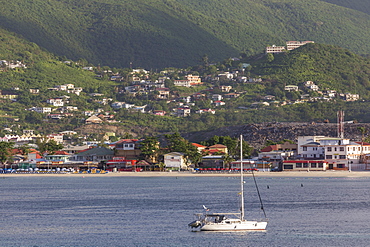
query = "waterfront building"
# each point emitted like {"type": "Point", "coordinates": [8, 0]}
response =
{"type": "Point", "coordinates": [175, 161]}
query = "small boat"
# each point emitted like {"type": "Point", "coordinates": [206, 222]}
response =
{"type": "Point", "coordinates": [222, 221]}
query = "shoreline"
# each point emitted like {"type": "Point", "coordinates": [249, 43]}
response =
{"type": "Point", "coordinates": [323, 174]}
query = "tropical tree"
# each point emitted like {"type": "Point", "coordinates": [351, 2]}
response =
{"type": "Point", "coordinates": [232, 145]}
{"type": "Point", "coordinates": [5, 152]}
{"type": "Point", "coordinates": [149, 149]}
{"type": "Point", "coordinates": [363, 131]}
{"type": "Point", "coordinates": [24, 149]}
{"type": "Point", "coordinates": [176, 143]}
{"type": "Point", "coordinates": [227, 160]}
{"type": "Point", "coordinates": [48, 145]}
{"type": "Point", "coordinates": [270, 57]}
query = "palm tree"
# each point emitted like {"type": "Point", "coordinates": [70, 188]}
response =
{"type": "Point", "coordinates": [227, 160]}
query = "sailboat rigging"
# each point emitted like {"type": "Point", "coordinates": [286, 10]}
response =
{"type": "Point", "coordinates": [221, 222]}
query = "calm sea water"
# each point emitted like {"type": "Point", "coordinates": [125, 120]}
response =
{"type": "Point", "coordinates": [126, 211]}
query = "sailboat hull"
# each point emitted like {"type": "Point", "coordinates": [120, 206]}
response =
{"type": "Point", "coordinates": [245, 225]}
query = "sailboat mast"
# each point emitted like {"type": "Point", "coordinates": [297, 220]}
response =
{"type": "Point", "coordinates": [241, 179]}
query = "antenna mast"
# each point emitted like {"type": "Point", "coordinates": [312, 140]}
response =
{"type": "Point", "coordinates": [340, 122]}
{"type": "Point", "coordinates": [241, 179]}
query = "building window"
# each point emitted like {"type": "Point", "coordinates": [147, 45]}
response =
{"type": "Point", "coordinates": [335, 149]}
{"type": "Point", "coordinates": [329, 156]}
{"type": "Point", "coordinates": [313, 165]}
{"type": "Point", "coordinates": [341, 165]}
{"type": "Point", "coordinates": [305, 165]}
{"type": "Point", "coordinates": [341, 149]}
{"type": "Point", "coordinates": [321, 165]}
{"type": "Point", "coordinates": [342, 157]}
{"type": "Point", "coordinates": [354, 149]}
{"type": "Point", "coordinates": [304, 148]}
{"type": "Point", "coordinates": [298, 165]}
{"type": "Point", "coordinates": [329, 149]}
{"type": "Point", "coordinates": [288, 167]}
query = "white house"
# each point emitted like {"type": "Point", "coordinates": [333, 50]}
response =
{"type": "Point", "coordinates": [216, 97]}
{"type": "Point", "coordinates": [291, 88]}
{"type": "Point", "coordinates": [55, 102]}
{"type": "Point", "coordinates": [208, 110]}
{"type": "Point", "coordinates": [339, 153]}
{"type": "Point", "coordinates": [41, 109]}
{"type": "Point", "coordinates": [175, 161]}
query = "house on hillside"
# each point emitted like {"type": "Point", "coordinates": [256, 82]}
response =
{"type": "Point", "coordinates": [207, 110]}
{"type": "Point", "coordinates": [159, 113]}
{"type": "Point", "coordinates": [163, 93]}
{"type": "Point", "coordinates": [291, 45]}
{"type": "Point", "coordinates": [183, 112]}
{"type": "Point", "coordinates": [94, 120]}
{"type": "Point", "coordinates": [55, 102]}
{"type": "Point", "coordinates": [231, 95]}
{"type": "Point", "coordinates": [275, 49]}
{"type": "Point", "coordinates": [290, 88]}
{"type": "Point", "coordinates": [219, 103]}
{"type": "Point", "coordinates": [41, 109]}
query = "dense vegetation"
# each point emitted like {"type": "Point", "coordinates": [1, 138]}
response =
{"type": "Point", "coordinates": [162, 33]}
{"type": "Point", "coordinates": [360, 5]}
{"type": "Point", "coordinates": [330, 67]}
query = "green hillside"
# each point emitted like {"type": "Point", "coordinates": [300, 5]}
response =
{"type": "Point", "coordinates": [162, 33]}
{"type": "Point", "coordinates": [44, 70]}
{"type": "Point", "coordinates": [360, 5]}
{"type": "Point", "coordinates": [330, 67]}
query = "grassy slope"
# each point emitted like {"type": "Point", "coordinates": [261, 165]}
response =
{"type": "Point", "coordinates": [43, 68]}
{"type": "Point", "coordinates": [329, 66]}
{"type": "Point", "coordinates": [359, 5]}
{"type": "Point", "coordinates": [159, 33]}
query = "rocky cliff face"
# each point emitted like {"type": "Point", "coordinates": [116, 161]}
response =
{"type": "Point", "coordinates": [258, 134]}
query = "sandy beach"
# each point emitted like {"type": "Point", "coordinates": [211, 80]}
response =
{"type": "Point", "coordinates": [331, 173]}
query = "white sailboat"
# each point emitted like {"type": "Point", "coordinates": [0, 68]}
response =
{"type": "Point", "coordinates": [221, 222]}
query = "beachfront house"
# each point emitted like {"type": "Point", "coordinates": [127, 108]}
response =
{"type": "Point", "coordinates": [305, 165]}
{"type": "Point", "coordinates": [128, 148]}
{"type": "Point", "coordinates": [175, 161]}
{"type": "Point", "coordinates": [93, 155]}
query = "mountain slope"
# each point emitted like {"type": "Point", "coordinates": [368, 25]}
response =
{"type": "Point", "coordinates": [160, 33]}
{"type": "Point", "coordinates": [330, 67]}
{"type": "Point", "coordinates": [359, 5]}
